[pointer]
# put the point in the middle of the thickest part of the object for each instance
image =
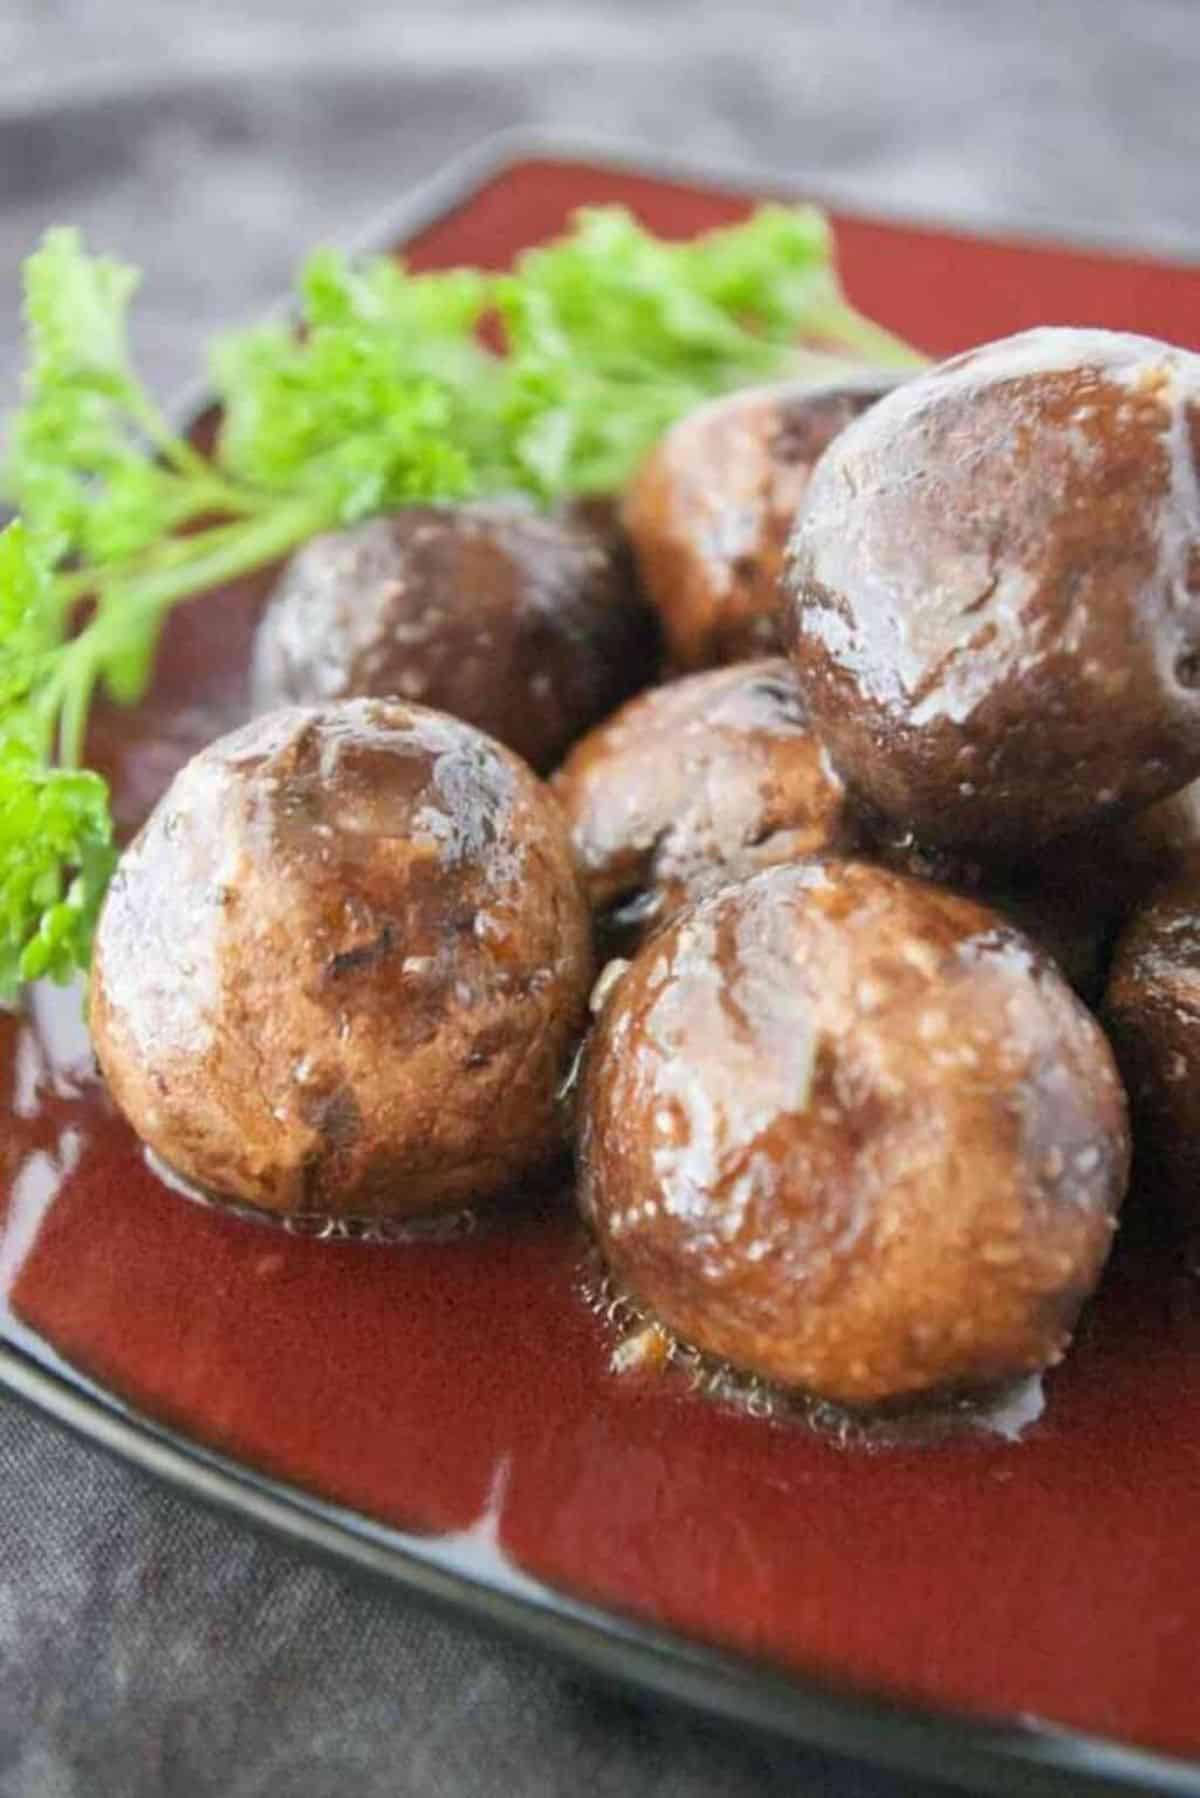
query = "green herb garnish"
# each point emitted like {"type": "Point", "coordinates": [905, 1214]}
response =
{"type": "Point", "coordinates": [388, 396]}
{"type": "Point", "coordinates": [56, 839]}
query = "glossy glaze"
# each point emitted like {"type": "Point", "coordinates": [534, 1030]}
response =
{"type": "Point", "coordinates": [416, 882]}
{"type": "Point", "coordinates": [694, 784]}
{"type": "Point", "coordinates": [1152, 1011]}
{"type": "Point", "coordinates": [715, 776]}
{"type": "Point", "coordinates": [711, 510]}
{"type": "Point", "coordinates": [853, 1134]}
{"type": "Point", "coordinates": [995, 590]}
{"type": "Point", "coordinates": [461, 1390]}
{"type": "Point", "coordinates": [529, 626]}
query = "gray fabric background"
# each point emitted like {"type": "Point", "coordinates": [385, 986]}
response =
{"type": "Point", "coordinates": [147, 1648]}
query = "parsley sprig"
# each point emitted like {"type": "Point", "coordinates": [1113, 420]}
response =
{"type": "Point", "coordinates": [388, 395]}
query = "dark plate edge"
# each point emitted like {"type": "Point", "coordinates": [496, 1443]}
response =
{"type": "Point", "coordinates": [532, 143]}
{"type": "Point", "coordinates": [1027, 1758]}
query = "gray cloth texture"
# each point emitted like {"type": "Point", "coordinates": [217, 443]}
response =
{"type": "Point", "coordinates": [147, 1647]}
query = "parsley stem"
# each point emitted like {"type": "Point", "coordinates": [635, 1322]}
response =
{"type": "Point", "coordinates": [255, 542]}
{"type": "Point", "coordinates": [168, 552]}
{"type": "Point", "coordinates": [72, 724]}
{"type": "Point", "coordinates": [211, 490]}
{"type": "Point", "coordinates": [847, 325]}
{"type": "Point", "coordinates": [177, 451]}
{"type": "Point", "coordinates": [131, 606]}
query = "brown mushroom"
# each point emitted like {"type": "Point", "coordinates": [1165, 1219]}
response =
{"type": "Point", "coordinates": [695, 784]}
{"type": "Point", "coordinates": [343, 968]}
{"type": "Point", "coordinates": [995, 588]}
{"type": "Point", "coordinates": [527, 625]}
{"type": "Point", "coordinates": [717, 775]}
{"type": "Point", "coordinates": [854, 1135]}
{"type": "Point", "coordinates": [1152, 1011]}
{"type": "Point", "coordinates": [710, 512]}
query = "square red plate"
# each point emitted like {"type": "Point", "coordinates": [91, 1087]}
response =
{"type": "Point", "coordinates": [1021, 1615]}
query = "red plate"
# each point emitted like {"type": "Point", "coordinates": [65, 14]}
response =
{"type": "Point", "coordinates": [1018, 1609]}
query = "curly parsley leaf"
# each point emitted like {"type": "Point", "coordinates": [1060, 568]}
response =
{"type": "Point", "coordinates": [56, 840]}
{"type": "Point", "coordinates": [614, 334]}
{"type": "Point", "coordinates": [93, 467]}
{"type": "Point", "coordinates": [376, 405]}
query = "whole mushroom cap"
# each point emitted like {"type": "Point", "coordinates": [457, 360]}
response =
{"type": "Point", "coordinates": [696, 783]}
{"type": "Point", "coordinates": [529, 625]}
{"type": "Point", "coordinates": [851, 1133]}
{"type": "Point", "coordinates": [995, 589]}
{"type": "Point", "coordinates": [344, 966]}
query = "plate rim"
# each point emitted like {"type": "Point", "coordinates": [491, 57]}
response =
{"type": "Point", "coordinates": [1029, 1756]}
{"type": "Point", "coordinates": [1026, 1756]}
{"type": "Point", "coordinates": [490, 155]}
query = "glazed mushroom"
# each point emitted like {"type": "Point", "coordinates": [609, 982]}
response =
{"type": "Point", "coordinates": [527, 625]}
{"type": "Point", "coordinates": [343, 968]}
{"type": "Point", "coordinates": [710, 512]}
{"type": "Point", "coordinates": [695, 784]}
{"type": "Point", "coordinates": [854, 1135]}
{"type": "Point", "coordinates": [1152, 1011]}
{"type": "Point", "coordinates": [995, 589]}
{"type": "Point", "coordinates": [717, 775]}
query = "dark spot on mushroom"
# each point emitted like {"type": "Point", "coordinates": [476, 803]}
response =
{"type": "Point", "coordinates": [337, 1118]}
{"type": "Point", "coordinates": [487, 1045]}
{"type": "Point", "coordinates": [367, 955]}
